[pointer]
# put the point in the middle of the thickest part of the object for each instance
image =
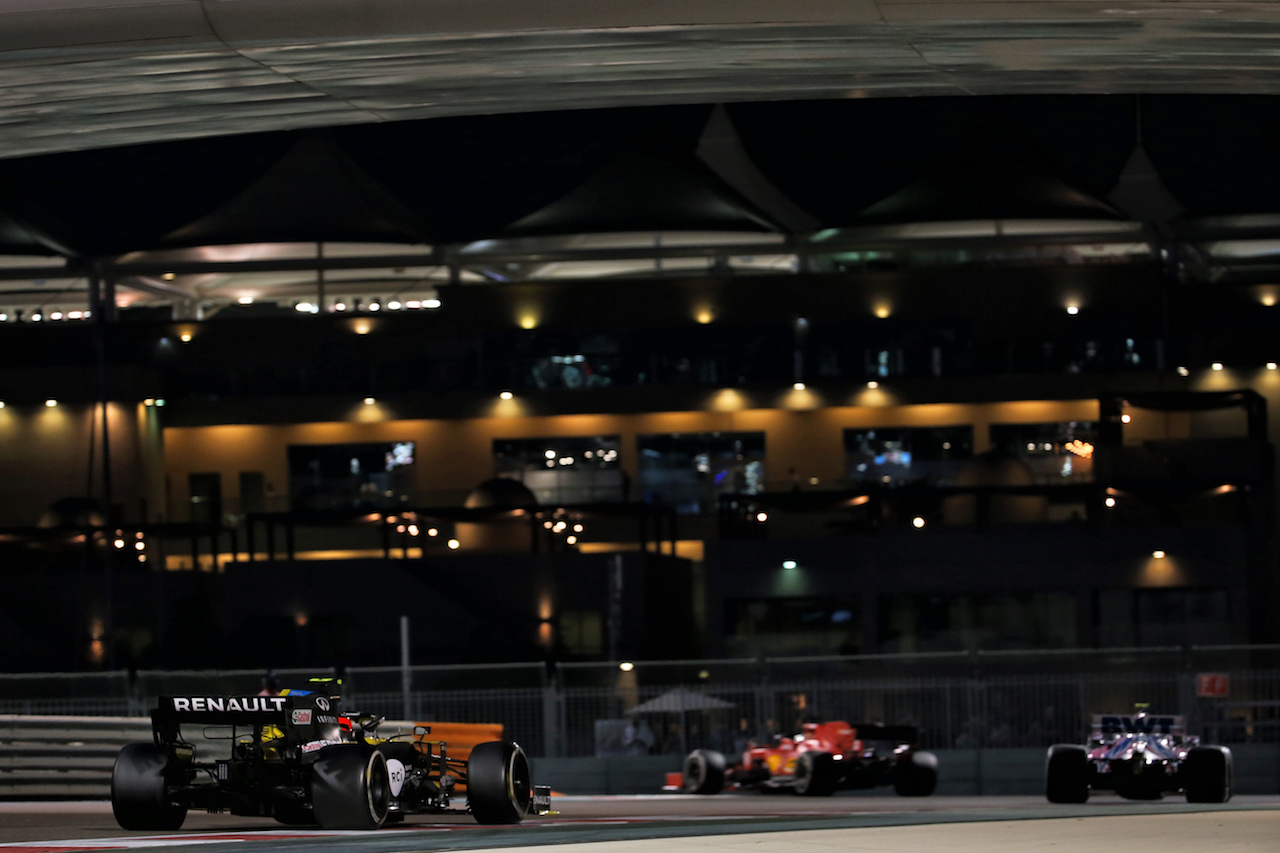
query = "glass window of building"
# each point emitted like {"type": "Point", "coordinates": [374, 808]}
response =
{"type": "Point", "coordinates": [1056, 453]}
{"type": "Point", "coordinates": [689, 471]}
{"type": "Point", "coordinates": [582, 632]}
{"type": "Point", "coordinates": [557, 359]}
{"type": "Point", "coordinates": [563, 470]}
{"type": "Point", "coordinates": [1162, 617]}
{"type": "Point", "coordinates": [827, 625]}
{"type": "Point", "coordinates": [350, 476]}
{"type": "Point", "coordinates": [907, 454]}
{"type": "Point", "coordinates": [945, 623]}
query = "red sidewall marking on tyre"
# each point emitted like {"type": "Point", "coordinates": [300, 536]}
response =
{"type": "Point", "coordinates": [49, 848]}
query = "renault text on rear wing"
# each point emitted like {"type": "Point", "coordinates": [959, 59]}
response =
{"type": "Point", "coordinates": [172, 711]}
{"type": "Point", "coordinates": [198, 704]}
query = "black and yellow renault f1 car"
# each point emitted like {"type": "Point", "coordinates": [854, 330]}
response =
{"type": "Point", "coordinates": [302, 760]}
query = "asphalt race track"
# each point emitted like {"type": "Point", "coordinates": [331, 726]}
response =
{"type": "Point", "coordinates": [670, 822]}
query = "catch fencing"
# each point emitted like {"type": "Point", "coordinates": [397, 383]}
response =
{"type": "Point", "coordinates": [962, 700]}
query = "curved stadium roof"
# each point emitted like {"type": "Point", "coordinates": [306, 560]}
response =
{"type": "Point", "coordinates": [148, 134]}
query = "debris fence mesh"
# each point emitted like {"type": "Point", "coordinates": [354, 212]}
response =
{"type": "Point", "coordinates": [1228, 695]}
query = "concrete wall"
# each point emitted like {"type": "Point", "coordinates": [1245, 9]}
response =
{"type": "Point", "coordinates": [50, 453]}
{"type": "Point", "coordinates": [338, 613]}
{"type": "Point", "coordinates": [961, 772]}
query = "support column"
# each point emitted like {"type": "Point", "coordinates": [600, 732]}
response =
{"type": "Point", "coordinates": [320, 278]}
{"type": "Point", "coordinates": [102, 301]}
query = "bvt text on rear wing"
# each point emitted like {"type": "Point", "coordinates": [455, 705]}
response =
{"type": "Point", "coordinates": [1111, 725]}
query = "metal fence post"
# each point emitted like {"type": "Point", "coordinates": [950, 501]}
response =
{"type": "Point", "coordinates": [978, 717]}
{"type": "Point", "coordinates": [553, 722]}
{"type": "Point", "coordinates": [406, 674]}
{"type": "Point", "coordinates": [1188, 704]}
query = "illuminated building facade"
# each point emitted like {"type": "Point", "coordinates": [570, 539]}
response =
{"type": "Point", "coordinates": [945, 478]}
{"type": "Point", "coordinates": [827, 374]}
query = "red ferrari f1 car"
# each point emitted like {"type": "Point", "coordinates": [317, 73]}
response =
{"type": "Point", "coordinates": [822, 758]}
{"type": "Point", "coordinates": [1140, 757]}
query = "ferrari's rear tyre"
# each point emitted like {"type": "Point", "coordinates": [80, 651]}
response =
{"type": "Point", "coordinates": [1207, 771]}
{"type": "Point", "coordinates": [704, 771]}
{"type": "Point", "coordinates": [815, 774]}
{"type": "Point", "coordinates": [917, 776]}
{"type": "Point", "coordinates": [350, 788]}
{"type": "Point", "coordinates": [1066, 774]}
{"type": "Point", "coordinates": [139, 783]}
{"type": "Point", "coordinates": [499, 785]}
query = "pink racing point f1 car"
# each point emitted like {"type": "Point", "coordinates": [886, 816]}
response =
{"type": "Point", "coordinates": [1140, 756]}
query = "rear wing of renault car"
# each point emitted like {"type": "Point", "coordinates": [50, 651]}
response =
{"type": "Point", "coordinates": [309, 715]}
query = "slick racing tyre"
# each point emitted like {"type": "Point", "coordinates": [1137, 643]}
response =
{"type": "Point", "coordinates": [815, 774]}
{"type": "Point", "coordinates": [292, 814]}
{"type": "Point", "coordinates": [1066, 774]}
{"type": "Point", "coordinates": [1207, 774]}
{"type": "Point", "coordinates": [350, 788]}
{"type": "Point", "coordinates": [704, 772]}
{"type": "Point", "coordinates": [139, 783]}
{"type": "Point", "coordinates": [917, 776]}
{"type": "Point", "coordinates": [499, 786]}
